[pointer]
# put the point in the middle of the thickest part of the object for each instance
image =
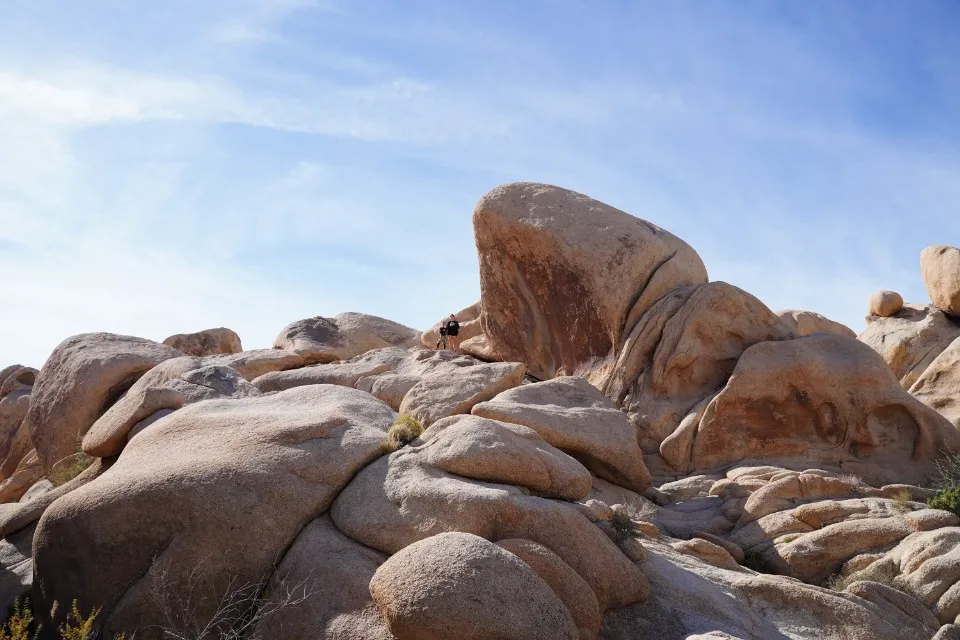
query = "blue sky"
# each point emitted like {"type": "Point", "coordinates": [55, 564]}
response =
{"type": "Point", "coordinates": [173, 165]}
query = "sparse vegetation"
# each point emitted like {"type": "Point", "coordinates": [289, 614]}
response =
{"type": "Point", "coordinates": [753, 559]}
{"type": "Point", "coordinates": [622, 525]}
{"type": "Point", "coordinates": [901, 501]}
{"type": "Point", "coordinates": [81, 461]}
{"type": "Point", "coordinates": [948, 498]}
{"type": "Point", "coordinates": [405, 430]}
{"type": "Point", "coordinates": [20, 622]}
{"type": "Point", "coordinates": [790, 538]}
{"type": "Point", "coordinates": [873, 573]}
{"type": "Point", "coordinates": [21, 625]}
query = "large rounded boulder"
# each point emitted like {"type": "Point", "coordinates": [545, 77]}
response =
{"type": "Point", "coordinates": [564, 277]}
{"type": "Point", "coordinates": [203, 500]}
{"type": "Point", "coordinates": [80, 380]}
{"type": "Point", "coordinates": [320, 340]}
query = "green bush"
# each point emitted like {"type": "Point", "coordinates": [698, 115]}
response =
{"type": "Point", "coordinates": [19, 622]}
{"type": "Point", "coordinates": [947, 499]}
{"type": "Point", "coordinates": [405, 430]}
{"type": "Point", "coordinates": [622, 525]}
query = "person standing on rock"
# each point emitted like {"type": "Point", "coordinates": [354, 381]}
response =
{"type": "Point", "coordinates": [453, 332]}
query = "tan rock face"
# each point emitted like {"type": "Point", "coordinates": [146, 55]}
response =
{"type": "Point", "coordinates": [16, 384]}
{"type": "Point", "coordinates": [938, 386]}
{"type": "Point", "coordinates": [326, 576]}
{"type": "Point", "coordinates": [940, 266]}
{"type": "Point", "coordinates": [323, 340]}
{"type": "Point", "coordinates": [926, 564]}
{"type": "Point", "coordinates": [557, 295]}
{"type": "Point", "coordinates": [911, 339]}
{"type": "Point", "coordinates": [168, 386]}
{"type": "Point", "coordinates": [221, 487]}
{"type": "Point", "coordinates": [404, 498]}
{"type": "Point", "coordinates": [253, 364]}
{"type": "Point", "coordinates": [821, 398]}
{"type": "Point", "coordinates": [885, 303]}
{"type": "Point", "coordinates": [571, 414]}
{"type": "Point", "coordinates": [458, 585]}
{"type": "Point", "coordinates": [805, 323]}
{"type": "Point", "coordinates": [455, 391]}
{"type": "Point", "coordinates": [80, 380]}
{"type": "Point", "coordinates": [682, 350]}
{"type": "Point", "coordinates": [573, 591]}
{"type": "Point", "coordinates": [209, 342]}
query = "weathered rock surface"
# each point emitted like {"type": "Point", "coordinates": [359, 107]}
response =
{"type": "Point", "coordinates": [451, 392]}
{"type": "Point", "coordinates": [493, 451]}
{"type": "Point", "coordinates": [16, 567]}
{"type": "Point", "coordinates": [16, 384]}
{"type": "Point", "coordinates": [403, 498]}
{"type": "Point", "coordinates": [938, 386]}
{"type": "Point", "coordinates": [253, 364]}
{"type": "Point", "coordinates": [821, 398]}
{"type": "Point", "coordinates": [573, 591]}
{"type": "Point", "coordinates": [168, 386]}
{"type": "Point", "coordinates": [28, 472]}
{"type": "Point", "coordinates": [911, 339]}
{"type": "Point", "coordinates": [940, 267]}
{"type": "Point", "coordinates": [885, 303]}
{"type": "Point", "coordinates": [558, 295]}
{"type": "Point", "coordinates": [80, 380]}
{"type": "Point", "coordinates": [925, 565]}
{"type": "Point", "coordinates": [805, 323]}
{"type": "Point", "coordinates": [209, 342]}
{"type": "Point", "coordinates": [572, 415]}
{"type": "Point", "coordinates": [458, 585]}
{"type": "Point", "coordinates": [320, 591]}
{"type": "Point", "coordinates": [682, 350]}
{"type": "Point", "coordinates": [320, 340]}
{"type": "Point", "coordinates": [345, 374]}
{"type": "Point", "coordinates": [221, 487]}
{"type": "Point", "coordinates": [689, 596]}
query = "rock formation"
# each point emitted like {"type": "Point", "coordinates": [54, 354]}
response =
{"type": "Point", "coordinates": [621, 450]}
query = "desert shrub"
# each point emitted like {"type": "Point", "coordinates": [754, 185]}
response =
{"type": "Point", "coordinates": [948, 496]}
{"type": "Point", "coordinates": [901, 501]}
{"type": "Point", "coordinates": [790, 538]}
{"type": "Point", "coordinates": [947, 499]}
{"type": "Point", "coordinates": [622, 525]}
{"type": "Point", "coordinates": [753, 559]}
{"type": "Point", "coordinates": [948, 469]}
{"type": "Point", "coordinates": [80, 627]}
{"type": "Point", "coordinates": [19, 623]}
{"type": "Point", "coordinates": [405, 430]}
{"type": "Point", "coordinates": [80, 463]}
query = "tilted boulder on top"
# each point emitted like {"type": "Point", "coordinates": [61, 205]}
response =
{"type": "Point", "coordinates": [320, 340]}
{"type": "Point", "coordinates": [910, 339]}
{"type": "Point", "coordinates": [940, 266]}
{"type": "Point", "coordinates": [564, 278]}
{"type": "Point", "coordinates": [884, 304]}
{"type": "Point", "coordinates": [80, 380]}
{"type": "Point", "coordinates": [208, 342]}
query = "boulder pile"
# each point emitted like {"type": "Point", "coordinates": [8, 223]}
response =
{"type": "Point", "coordinates": [621, 448]}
